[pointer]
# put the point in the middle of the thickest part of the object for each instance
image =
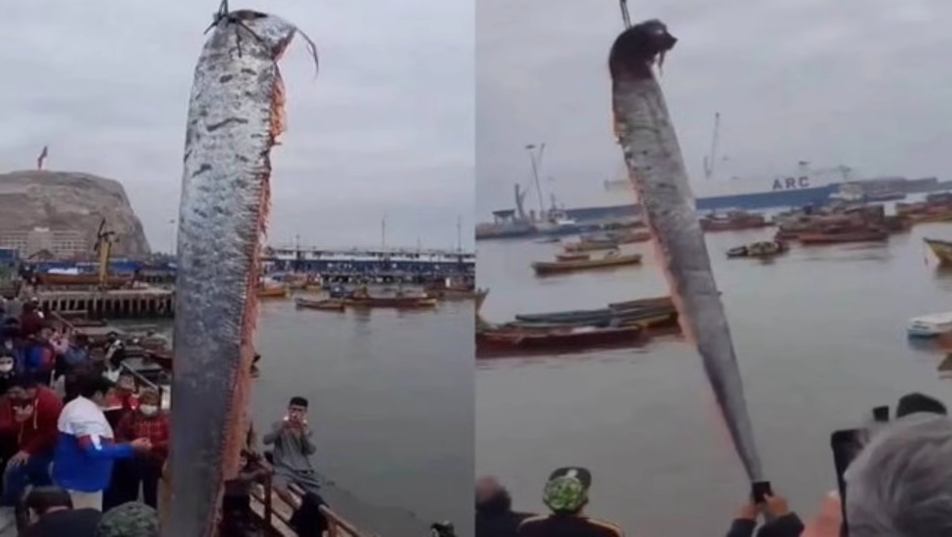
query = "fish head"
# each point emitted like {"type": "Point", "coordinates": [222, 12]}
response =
{"type": "Point", "coordinates": [272, 33]}
{"type": "Point", "coordinates": [638, 48]}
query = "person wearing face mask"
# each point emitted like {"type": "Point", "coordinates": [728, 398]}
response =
{"type": "Point", "coordinates": [8, 371]}
{"type": "Point", "coordinates": [146, 469]}
{"type": "Point", "coordinates": [28, 413]}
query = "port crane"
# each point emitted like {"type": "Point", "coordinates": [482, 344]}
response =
{"type": "Point", "coordinates": [105, 238]}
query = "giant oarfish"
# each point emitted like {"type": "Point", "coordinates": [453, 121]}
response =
{"type": "Point", "coordinates": [656, 170]}
{"type": "Point", "coordinates": [234, 117]}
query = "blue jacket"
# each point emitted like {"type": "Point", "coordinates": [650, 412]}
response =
{"type": "Point", "coordinates": [86, 448]}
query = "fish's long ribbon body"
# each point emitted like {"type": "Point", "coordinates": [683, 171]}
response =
{"type": "Point", "coordinates": [656, 170]}
{"type": "Point", "coordinates": [235, 114]}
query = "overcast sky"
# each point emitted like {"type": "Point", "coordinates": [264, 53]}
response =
{"type": "Point", "coordinates": [864, 83]}
{"type": "Point", "coordinates": [387, 128]}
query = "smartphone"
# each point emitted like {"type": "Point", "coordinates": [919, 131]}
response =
{"type": "Point", "coordinates": [881, 414]}
{"type": "Point", "coordinates": [846, 445]}
{"type": "Point", "coordinates": [759, 490]}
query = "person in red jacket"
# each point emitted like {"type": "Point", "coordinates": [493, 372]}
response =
{"type": "Point", "coordinates": [29, 412]}
{"type": "Point", "coordinates": [147, 421]}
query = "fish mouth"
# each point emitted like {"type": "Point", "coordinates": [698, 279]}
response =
{"type": "Point", "coordinates": [638, 48]}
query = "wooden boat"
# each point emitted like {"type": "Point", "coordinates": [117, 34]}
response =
{"type": "Point", "coordinates": [53, 278]}
{"type": "Point", "coordinates": [841, 236]}
{"type": "Point", "coordinates": [328, 304]}
{"type": "Point", "coordinates": [396, 302]}
{"type": "Point", "coordinates": [590, 245]}
{"type": "Point", "coordinates": [273, 291]}
{"type": "Point", "coordinates": [612, 260]}
{"type": "Point", "coordinates": [629, 236]}
{"type": "Point", "coordinates": [734, 220]}
{"type": "Point", "coordinates": [594, 315]}
{"type": "Point", "coordinates": [496, 343]}
{"type": "Point", "coordinates": [942, 251]}
{"type": "Point", "coordinates": [572, 257]}
{"type": "Point", "coordinates": [760, 250]}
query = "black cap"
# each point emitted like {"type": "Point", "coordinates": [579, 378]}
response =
{"type": "Point", "coordinates": [917, 402]}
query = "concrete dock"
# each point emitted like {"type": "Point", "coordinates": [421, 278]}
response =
{"type": "Point", "coordinates": [118, 304]}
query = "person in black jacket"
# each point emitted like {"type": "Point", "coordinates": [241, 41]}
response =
{"type": "Point", "coordinates": [51, 514]}
{"type": "Point", "coordinates": [566, 494]}
{"type": "Point", "coordinates": [780, 520]}
{"type": "Point", "coordinates": [494, 514]}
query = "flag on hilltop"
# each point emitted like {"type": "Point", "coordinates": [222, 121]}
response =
{"type": "Point", "coordinates": [40, 160]}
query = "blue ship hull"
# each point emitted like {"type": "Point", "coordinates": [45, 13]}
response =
{"type": "Point", "coordinates": [769, 200]}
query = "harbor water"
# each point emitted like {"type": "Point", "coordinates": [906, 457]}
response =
{"type": "Point", "coordinates": [390, 405]}
{"type": "Point", "coordinates": [391, 408]}
{"type": "Point", "coordinates": [820, 337]}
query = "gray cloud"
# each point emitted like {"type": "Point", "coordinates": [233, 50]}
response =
{"type": "Point", "coordinates": [855, 82]}
{"type": "Point", "coordinates": [387, 128]}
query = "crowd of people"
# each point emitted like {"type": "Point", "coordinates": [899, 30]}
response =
{"type": "Point", "coordinates": [899, 485]}
{"type": "Point", "coordinates": [83, 446]}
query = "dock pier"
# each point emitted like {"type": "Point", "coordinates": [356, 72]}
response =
{"type": "Point", "coordinates": [117, 304]}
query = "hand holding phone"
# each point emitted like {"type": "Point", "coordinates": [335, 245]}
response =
{"type": "Point", "coordinates": [759, 491]}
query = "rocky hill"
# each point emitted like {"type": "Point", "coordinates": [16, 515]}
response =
{"type": "Point", "coordinates": [70, 200]}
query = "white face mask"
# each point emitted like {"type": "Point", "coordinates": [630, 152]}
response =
{"type": "Point", "coordinates": [148, 410]}
{"type": "Point", "coordinates": [6, 368]}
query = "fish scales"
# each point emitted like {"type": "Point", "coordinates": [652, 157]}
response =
{"type": "Point", "coordinates": [657, 172]}
{"type": "Point", "coordinates": [234, 115]}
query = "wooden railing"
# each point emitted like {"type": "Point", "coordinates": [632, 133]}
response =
{"type": "Point", "coordinates": [276, 513]}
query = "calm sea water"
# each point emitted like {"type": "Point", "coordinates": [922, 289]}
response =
{"type": "Point", "coordinates": [391, 406]}
{"type": "Point", "coordinates": [820, 335]}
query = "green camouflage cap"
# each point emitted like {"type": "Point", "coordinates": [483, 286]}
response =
{"type": "Point", "coordinates": [131, 519]}
{"type": "Point", "coordinates": [567, 489]}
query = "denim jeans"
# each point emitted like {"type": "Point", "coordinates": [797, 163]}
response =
{"type": "Point", "coordinates": [35, 471]}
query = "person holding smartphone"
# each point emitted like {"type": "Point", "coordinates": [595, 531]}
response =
{"type": "Point", "coordinates": [780, 521]}
{"type": "Point", "coordinates": [293, 447]}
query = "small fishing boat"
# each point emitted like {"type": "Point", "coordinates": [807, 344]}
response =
{"type": "Point", "coordinates": [930, 326]}
{"type": "Point", "coordinates": [733, 221]}
{"type": "Point", "coordinates": [503, 342]}
{"type": "Point", "coordinates": [273, 291]}
{"type": "Point", "coordinates": [361, 298]}
{"type": "Point", "coordinates": [942, 250]}
{"type": "Point", "coordinates": [837, 236]}
{"type": "Point", "coordinates": [590, 245]}
{"type": "Point", "coordinates": [629, 236]}
{"type": "Point", "coordinates": [572, 257]}
{"type": "Point", "coordinates": [327, 304]}
{"type": "Point", "coordinates": [760, 250]}
{"type": "Point", "coordinates": [611, 260]}
{"type": "Point", "coordinates": [595, 315]}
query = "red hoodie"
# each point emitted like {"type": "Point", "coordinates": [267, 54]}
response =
{"type": "Point", "coordinates": [38, 433]}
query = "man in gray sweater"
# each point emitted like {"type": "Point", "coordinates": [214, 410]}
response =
{"type": "Point", "coordinates": [293, 447]}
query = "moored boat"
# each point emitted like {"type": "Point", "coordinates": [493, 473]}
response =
{"type": "Point", "coordinates": [572, 257]}
{"type": "Point", "coordinates": [612, 260]}
{"type": "Point", "coordinates": [273, 291]}
{"type": "Point", "coordinates": [760, 250]}
{"type": "Point", "coordinates": [930, 326]}
{"type": "Point", "coordinates": [498, 343]}
{"type": "Point", "coordinates": [590, 245]}
{"type": "Point", "coordinates": [362, 299]}
{"type": "Point", "coordinates": [327, 304]}
{"type": "Point", "coordinates": [942, 250]}
{"type": "Point", "coordinates": [734, 220]}
{"type": "Point", "coordinates": [837, 236]}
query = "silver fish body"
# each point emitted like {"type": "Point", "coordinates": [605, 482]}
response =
{"type": "Point", "coordinates": [234, 115]}
{"type": "Point", "coordinates": [656, 170]}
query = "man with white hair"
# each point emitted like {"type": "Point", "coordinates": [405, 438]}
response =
{"type": "Point", "coordinates": [900, 485]}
